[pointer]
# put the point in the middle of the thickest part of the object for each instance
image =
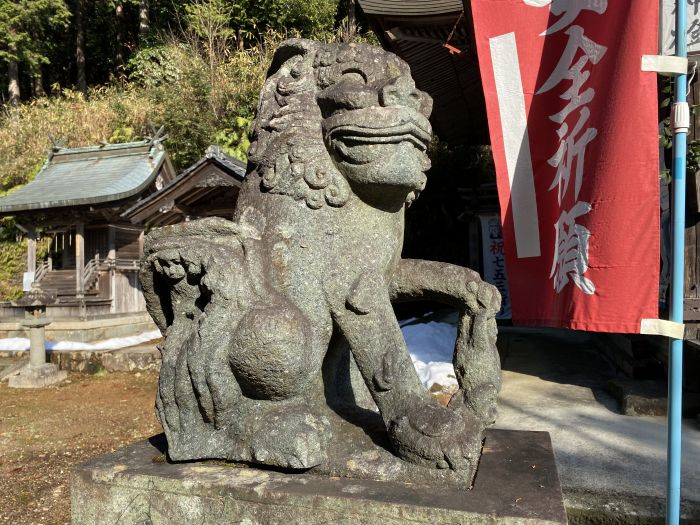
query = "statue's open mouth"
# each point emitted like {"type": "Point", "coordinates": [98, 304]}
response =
{"type": "Point", "coordinates": [393, 135]}
{"type": "Point", "coordinates": [386, 126]}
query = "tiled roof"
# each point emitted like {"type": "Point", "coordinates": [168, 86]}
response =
{"type": "Point", "coordinates": [93, 175]}
{"type": "Point", "coordinates": [231, 165]}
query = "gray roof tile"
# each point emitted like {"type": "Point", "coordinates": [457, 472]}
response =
{"type": "Point", "coordinates": [82, 176]}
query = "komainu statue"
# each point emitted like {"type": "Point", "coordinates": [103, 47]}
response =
{"type": "Point", "coordinates": [256, 311]}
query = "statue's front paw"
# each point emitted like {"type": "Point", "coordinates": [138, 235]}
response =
{"type": "Point", "coordinates": [437, 437]}
{"type": "Point", "coordinates": [482, 296]}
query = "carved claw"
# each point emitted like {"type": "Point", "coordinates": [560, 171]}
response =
{"type": "Point", "coordinates": [482, 296]}
{"type": "Point", "coordinates": [438, 437]}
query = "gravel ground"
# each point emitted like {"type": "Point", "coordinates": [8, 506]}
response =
{"type": "Point", "coordinates": [45, 432]}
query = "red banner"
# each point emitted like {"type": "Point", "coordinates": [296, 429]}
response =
{"type": "Point", "coordinates": [574, 132]}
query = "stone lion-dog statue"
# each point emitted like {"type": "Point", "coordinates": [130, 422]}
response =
{"type": "Point", "coordinates": [251, 308]}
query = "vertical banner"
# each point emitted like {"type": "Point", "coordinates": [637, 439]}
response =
{"type": "Point", "coordinates": [574, 133]}
{"type": "Point", "coordinates": [667, 27]}
{"type": "Point", "coordinates": [494, 260]}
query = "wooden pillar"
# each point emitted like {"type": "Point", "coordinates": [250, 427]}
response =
{"type": "Point", "coordinates": [111, 243]}
{"type": "Point", "coordinates": [31, 250]}
{"type": "Point", "coordinates": [79, 258]}
{"type": "Point", "coordinates": [112, 256]}
{"type": "Point", "coordinates": [142, 236]}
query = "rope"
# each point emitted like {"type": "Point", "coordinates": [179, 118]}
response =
{"type": "Point", "coordinates": [452, 49]}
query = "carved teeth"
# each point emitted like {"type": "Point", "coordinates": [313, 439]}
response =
{"type": "Point", "coordinates": [389, 135]}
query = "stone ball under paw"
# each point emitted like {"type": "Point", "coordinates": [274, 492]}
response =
{"type": "Point", "coordinates": [271, 354]}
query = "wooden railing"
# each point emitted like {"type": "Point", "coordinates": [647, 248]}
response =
{"type": "Point", "coordinates": [92, 268]}
{"type": "Point", "coordinates": [41, 271]}
{"type": "Point", "coordinates": [127, 264]}
{"type": "Point", "coordinates": [90, 271]}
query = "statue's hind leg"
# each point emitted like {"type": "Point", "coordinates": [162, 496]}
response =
{"type": "Point", "coordinates": [240, 376]}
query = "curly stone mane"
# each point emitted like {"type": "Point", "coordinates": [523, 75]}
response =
{"type": "Point", "coordinates": [287, 146]}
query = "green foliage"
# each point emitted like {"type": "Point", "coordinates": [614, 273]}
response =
{"type": "Point", "coordinates": [202, 101]}
{"type": "Point", "coordinates": [101, 372]}
{"type": "Point", "coordinates": [153, 66]}
{"type": "Point", "coordinates": [176, 80]}
{"type": "Point", "coordinates": [234, 140]}
{"type": "Point", "coordinates": [12, 256]}
{"type": "Point", "coordinates": [123, 134]}
{"type": "Point", "coordinates": [251, 19]}
{"type": "Point", "coordinates": [310, 18]}
{"type": "Point", "coordinates": [666, 135]}
{"type": "Point", "coordinates": [20, 23]}
{"type": "Point", "coordinates": [693, 157]}
{"type": "Point", "coordinates": [210, 19]}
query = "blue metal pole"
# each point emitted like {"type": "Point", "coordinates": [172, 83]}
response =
{"type": "Point", "coordinates": [675, 367]}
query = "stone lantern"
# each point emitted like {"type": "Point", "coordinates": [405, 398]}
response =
{"type": "Point", "coordinates": [38, 373]}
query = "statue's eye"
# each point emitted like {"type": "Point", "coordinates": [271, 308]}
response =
{"type": "Point", "coordinates": [354, 75]}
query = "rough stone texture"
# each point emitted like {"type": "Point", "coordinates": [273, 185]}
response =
{"type": "Point", "coordinates": [517, 483]}
{"type": "Point", "coordinates": [268, 317]}
{"type": "Point", "coordinates": [37, 376]}
{"type": "Point", "coordinates": [143, 357]}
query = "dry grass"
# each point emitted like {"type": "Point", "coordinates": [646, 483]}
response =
{"type": "Point", "coordinates": [24, 131]}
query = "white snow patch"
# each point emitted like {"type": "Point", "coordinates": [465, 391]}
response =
{"type": "Point", "coordinates": [22, 343]}
{"type": "Point", "coordinates": [431, 340]}
{"type": "Point", "coordinates": [14, 344]}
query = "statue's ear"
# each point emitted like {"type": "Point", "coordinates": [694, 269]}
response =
{"type": "Point", "coordinates": [288, 49]}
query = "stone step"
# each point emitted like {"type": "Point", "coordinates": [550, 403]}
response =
{"type": "Point", "coordinates": [133, 358]}
{"type": "Point", "coordinates": [63, 282]}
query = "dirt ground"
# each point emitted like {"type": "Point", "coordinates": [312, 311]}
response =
{"type": "Point", "coordinates": [45, 432]}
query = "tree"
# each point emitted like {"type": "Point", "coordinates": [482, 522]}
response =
{"type": "Point", "coordinates": [119, 14]}
{"type": "Point", "coordinates": [209, 21]}
{"type": "Point", "coordinates": [79, 10]}
{"type": "Point", "coordinates": [311, 18]}
{"type": "Point", "coordinates": [144, 19]}
{"type": "Point", "coordinates": [20, 22]}
{"type": "Point", "coordinates": [13, 74]}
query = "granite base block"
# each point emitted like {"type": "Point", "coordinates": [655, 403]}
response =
{"type": "Point", "coordinates": [37, 376]}
{"type": "Point", "coordinates": [517, 483]}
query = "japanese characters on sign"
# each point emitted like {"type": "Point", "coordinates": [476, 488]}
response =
{"type": "Point", "coordinates": [570, 260]}
{"type": "Point", "coordinates": [573, 128]}
{"type": "Point", "coordinates": [494, 260]}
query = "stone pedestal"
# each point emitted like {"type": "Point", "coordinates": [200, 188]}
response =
{"type": "Point", "coordinates": [38, 373]}
{"type": "Point", "coordinates": [37, 376]}
{"type": "Point", "coordinates": [516, 482]}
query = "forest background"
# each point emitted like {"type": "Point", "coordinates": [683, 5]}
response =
{"type": "Point", "coordinates": [82, 72]}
